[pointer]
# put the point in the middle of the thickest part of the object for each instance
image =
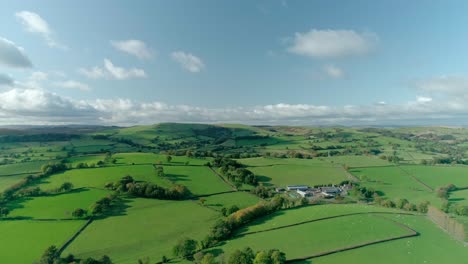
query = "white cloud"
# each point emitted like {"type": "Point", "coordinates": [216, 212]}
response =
{"type": "Point", "coordinates": [92, 73]}
{"type": "Point", "coordinates": [120, 73]}
{"type": "Point", "coordinates": [332, 43]}
{"type": "Point", "coordinates": [133, 47]}
{"type": "Point", "coordinates": [423, 99]}
{"type": "Point", "coordinates": [37, 106]}
{"type": "Point", "coordinates": [188, 61]}
{"type": "Point", "coordinates": [38, 76]}
{"type": "Point", "coordinates": [12, 55]}
{"type": "Point", "coordinates": [34, 23]}
{"type": "Point", "coordinates": [111, 71]}
{"type": "Point", "coordinates": [333, 71]}
{"type": "Point", "coordinates": [453, 86]}
{"type": "Point", "coordinates": [71, 84]}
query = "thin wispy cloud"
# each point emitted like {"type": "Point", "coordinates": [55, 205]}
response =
{"type": "Point", "coordinates": [111, 71]}
{"type": "Point", "coordinates": [12, 55]}
{"type": "Point", "coordinates": [333, 71]}
{"type": "Point", "coordinates": [332, 43]}
{"type": "Point", "coordinates": [134, 47]}
{"type": "Point", "coordinates": [188, 61]}
{"type": "Point", "coordinates": [34, 23]}
{"type": "Point", "coordinates": [72, 84]}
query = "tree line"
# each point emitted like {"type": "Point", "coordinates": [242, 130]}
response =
{"type": "Point", "coordinates": [148, 190]}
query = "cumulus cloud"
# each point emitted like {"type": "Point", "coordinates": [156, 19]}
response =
{"type": "Point", "coordinates": [12, 55]}
{"type": "Point", "coordinates": [37, 106]}
{"type": "Point", "coordinates": [5, 80]}
{"type": "Point", "coordinates": [111, 71]}
{"type": "Point", "coordinates": [133, 47]}
{"type": "Point", "coordinates": [333, 71]}
{"type": "Point", "coordinates": [34, 23]}
{"type": "Point", "coordinates": [71, 84]}
{"type": "Point", "coordinates": [332, 43]}
{"type": "Point", "coordinates": [188, 61]}
{"type": "Point", "coordinates": [120, 73]}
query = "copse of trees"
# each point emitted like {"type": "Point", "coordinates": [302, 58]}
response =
{"type": "Point", "coordinates": [185, 248]}
{"type": "Point", "coordinates": [263, 192]}
{"type": "Point", "coordinates": [149, 190]}
{"type": "Point", "coordinates": [52, 168]}
{"type": "Point", "coordinates": [444, 192]}
{"type": "Point", "coordinates": [247, 256]}
{"type": "Point", "coordinates": [224, 228]}
{"type": "Point", "coordinates": [234, 171]}
{"type": "Point", "coordinates": [103, 205]}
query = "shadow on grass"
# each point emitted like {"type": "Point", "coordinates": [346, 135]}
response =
{"type": "Point", "coordinates": [177, 177]}
{"type": "Point", "coordinates": [260, 221]}
{"type": "Point", "coordinates": [119, 208]}
{"type": "Point", "coordinates": [216, 251]}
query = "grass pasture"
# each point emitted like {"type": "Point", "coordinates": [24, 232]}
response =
{"type": "Point", "coordinates": [148, 228]}
{"type": "Point", "coordinates": [7, 181]}
{"type": "Point", "coordinates": [313, 238]}
{"type": "Point", "coordinates": [240, 199]}
{"type": "Point", "coordinates": [438, 176]}
{"type": "Point", "coordinates": [21, 168]}
{"type": "Point", "coordinates": [98, 177]}
{"type": "Point", "coordinates": [282, 172]}
{"type": "Point", "coordinates": [56, 206]}
{"type": "Point", "coordinates": [25, 241]}
{"type": "Point", "coordinates": [395, 183]}
{"type": "Point", "coordinates": [199, 180]}
{"type": "Point", "coordinates": [432, 246]}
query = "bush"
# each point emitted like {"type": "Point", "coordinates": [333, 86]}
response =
{"type": "Point", "coordinates": [185, 248]}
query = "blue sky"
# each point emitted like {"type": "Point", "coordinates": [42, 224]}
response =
{"type": "Point", "coordinates": [279, 62]}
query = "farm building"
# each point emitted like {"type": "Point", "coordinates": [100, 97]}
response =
{"type": "Point", "coordinates": [330, 191]}
{"type": "Point", "coordinates": [297, 187]}
{"type": "Point", "coordinates": [308, 193]}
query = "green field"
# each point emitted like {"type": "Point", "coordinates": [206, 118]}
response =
{"type": "Point", "coordinates": [313, 238]}
{"type": "Point", "coordinates": [433, 246]}
{"type": "Point", "coordinates": [199, 180]}
{"type": "Point", "coordinates": [25, 241]}
{"type": "Point", "coordinates": [283, 172]}
{"type": "Point", "coordinates": [7, 181]}
{"type": "Point", "coordinates": [239, 199]}
{"type": "Point", "coordinates": [136, 228]}
{"type": "Point", "coordinates": [56, 206]}
{"type": "Point", "coordinates": [98, 177]}
{"type": "Point", "coordinates": [148, 228]}
{"type": "Point", "coordinates": [21, 168]}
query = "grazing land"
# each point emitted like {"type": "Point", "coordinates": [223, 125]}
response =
{"type": "Point", "coordinates": [363, 194]}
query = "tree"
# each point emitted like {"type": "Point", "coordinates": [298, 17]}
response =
{"type": "Point", "coordinates": [66, 186]}
{"type": "Point", "coordinates": [442, 193]}
{"type": "Point", "coordinates": [49, 256]}
{"type": "Point", "coordinates": [4, 212]}
{"type": "Point", "coordinates": [184, 248]}
{"type": "Point", "coordinates": [401, 203]}
{"type": "Point", "coordinates": [423, 207]}
{"type": "Point", "coordinates": [202, 201]}
{"type": "Point", "coordinates": [277, 257]}
{"type": "Point", "coordinates": [169, 158]}
{"type": "Point", "coordinates": [78, 212]}
{"type": "Point", "coordinates": [245, 256]}
{"type": "Point", "coordinates": [262, 257]}
{"type": "Point", "coordinates": [233, 209]}
{"type": "Point", "coordinates": [208, 259]}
